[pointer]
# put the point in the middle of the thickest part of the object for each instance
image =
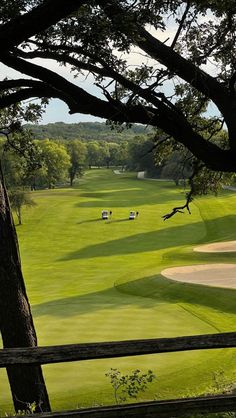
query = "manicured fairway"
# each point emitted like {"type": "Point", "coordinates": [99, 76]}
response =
{"type": "Point", "coordinates": [93, 280]}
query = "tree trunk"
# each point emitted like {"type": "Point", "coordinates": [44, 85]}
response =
{"type": "Point", "coordinates": [18, 214]}
{"type": "Point", "coordinates": [16, 323]}
{"type": "Point", "coordinates": [71, 180]}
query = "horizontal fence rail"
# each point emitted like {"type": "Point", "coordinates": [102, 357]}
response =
{"type": "Point", "coordinates": [160, 409]}
{"type": "Point", "coordinates": [92, 351]}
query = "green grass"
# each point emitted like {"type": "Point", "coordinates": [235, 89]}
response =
{"type": "Point", "coordinates": [93, 280]}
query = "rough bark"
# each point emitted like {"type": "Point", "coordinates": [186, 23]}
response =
{"type": "Point", "coordinates": [113, 349]}
{"type": "Point", "coordinates": [16, 323]}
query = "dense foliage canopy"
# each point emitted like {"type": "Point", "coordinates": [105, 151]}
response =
{"type": "Point", "coordinates": [85, 130]}
{"type": "Point", "coordinates": [158, 63]}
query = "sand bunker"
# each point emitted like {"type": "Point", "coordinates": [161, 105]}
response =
{"type": "Point", "coordinates": [217, 275]}
{"type": "Point", "coordinates": [217, 247]}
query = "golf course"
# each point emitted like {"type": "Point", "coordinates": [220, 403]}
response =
{"type": "Point", "coordinates": [91, 280]}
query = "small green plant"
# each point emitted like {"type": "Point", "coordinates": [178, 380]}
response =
{"type": "Point", "coordinates": [129, 385]}
{"type": "Point", "coordinates": [31, 409]}
{"type": "Point", "coordinates": [221, 383]}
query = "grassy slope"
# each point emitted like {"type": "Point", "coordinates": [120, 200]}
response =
{"type": "Point", "coordinates": [90, 280]}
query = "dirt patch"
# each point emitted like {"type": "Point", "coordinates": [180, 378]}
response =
{"type": "Point", "coordinates": [217, 247]}
{"type": "Point", "coordinates": [217, 275]}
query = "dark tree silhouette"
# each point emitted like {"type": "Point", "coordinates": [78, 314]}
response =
{"type": "Point", "coordinates": [89, 36]}
{"type": "Point", "coordinates": [16, 324]}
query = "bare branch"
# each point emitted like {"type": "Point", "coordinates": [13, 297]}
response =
{"type": "Point", "coordinates": [180, 25]}
{"type": "Point", "coordinates": [189, 195]}
{"type": "Point", "coordinates": [65, 59]}
{"type": "Point", "coordinates": [180, 209]}
{"type": "Point", "coordinates": [20, 82]}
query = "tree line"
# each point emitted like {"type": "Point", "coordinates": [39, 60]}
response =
{"type": "Point", "coordinates": [62, 161]}
{"type": "Point", "coordinates": [86, 130]}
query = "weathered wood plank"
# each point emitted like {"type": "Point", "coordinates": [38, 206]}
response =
{"type": "Point", "coordinates": [78, 352]}
{"type": "Point", "coordinates": [160, 409]}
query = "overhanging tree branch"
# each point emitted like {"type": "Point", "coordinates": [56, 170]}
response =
{"type": "Point", "coordinates": [185, 69]}
{"type": "Point", "coordinates": [176, 37]}
{"type": "Point", "coordinates": [156, 49]}
{"type": "Point", "coordinates": [37, 20]}
{"type": "Point", "coordinates": [65, 59]}
{"type": "Point", "coordinates": [146, 104]}
{"type": "Point", "coordinates": [189, 195]}
{"type": "Point", "coordinates": [20, 82]}
{"type": "Point", "coordinates": [165, 115]}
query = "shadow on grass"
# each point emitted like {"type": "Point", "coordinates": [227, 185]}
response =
{"type": "Point", "coordinates": [138, 243]}
{"type": "Point", "coordinates": [109, 221]}
{"type": "Point", "coordinates": [148, 291]}
{"type": "Point", "coordinates": [223, 228]}
{"type": "Point", "coordinates": [162, 289]}
{"type": "Point", "coordinates": [80, 305]}
{"type": "Point", "coordinates": [119, 220]}
{"type": "Point", "coordinates": [87, 221]}
{"type": "Point", "coordinates": [146, 194]}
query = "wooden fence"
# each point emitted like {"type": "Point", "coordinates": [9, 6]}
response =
{"type": "Point", "coordinates": [91, 351]}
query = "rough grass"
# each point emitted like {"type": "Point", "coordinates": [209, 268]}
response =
{"type": "Point", "coordinates": [93, 280]}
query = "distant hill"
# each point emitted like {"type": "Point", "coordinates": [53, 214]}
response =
{"type": "Point", "coordinates": [85, 130]}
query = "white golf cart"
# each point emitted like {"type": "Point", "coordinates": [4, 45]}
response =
{"type": "Point", "coordinates": [105, 214]}
{"type": "Point", "coordinates": [132, 215]}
